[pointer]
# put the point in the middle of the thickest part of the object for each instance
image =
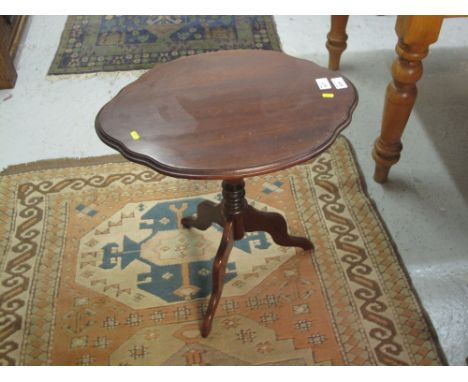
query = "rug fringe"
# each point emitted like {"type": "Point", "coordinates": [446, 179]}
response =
{"type": "Point", "coordinates": [50, 164]}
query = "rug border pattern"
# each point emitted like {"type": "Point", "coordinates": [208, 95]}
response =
{"type": "Point", "coordinates": [148, 176]}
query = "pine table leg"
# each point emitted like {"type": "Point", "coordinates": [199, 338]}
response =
{"type": "Point", "coordinates": [415, 34]}
{"type": "Point", "coordinates": [336, 40]}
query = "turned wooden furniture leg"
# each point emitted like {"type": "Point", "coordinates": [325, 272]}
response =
{"type": "Point", "coordinates": [276, 226]}
{"type": "Point", "coordinates": [207, 214]}
{"type": "Point", "coordinates": [415, 34]}
{"type": "Point", "coordinates": [219, 269]}
{"type": "Point", "coordinates": [336, 40]}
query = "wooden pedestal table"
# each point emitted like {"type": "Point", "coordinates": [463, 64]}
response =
{"type": "Point", "coordinates": [229, 115]}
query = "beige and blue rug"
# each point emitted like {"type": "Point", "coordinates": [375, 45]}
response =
{"type": "Point", "coordinates": [111, 43]}
{"type": "Point", "coordinates": [95, 269]}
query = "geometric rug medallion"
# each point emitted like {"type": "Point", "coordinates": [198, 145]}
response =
{"type": "Point", "coordinates": [95, 269]}
{"type": "Point", "coordinates": [110, 43]}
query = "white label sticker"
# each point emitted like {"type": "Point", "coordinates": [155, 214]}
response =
{"type": "Point", "coordinates": [323, 83]}
{"type": "Point", "coordinates": [339, 83]}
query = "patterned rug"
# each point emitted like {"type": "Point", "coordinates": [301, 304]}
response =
{"type": "Point", "coordinates": [95, 269]}
{"type": "Point", "coordinates": [110, 43]}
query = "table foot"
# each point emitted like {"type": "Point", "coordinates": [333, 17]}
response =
{"type": "Point", "coordinates": [381, 173]}
{"type": "Point", "coordinates": [275, 224]}
{"type": "Point", "coordinates": [385, 156]}
{"type": "Point", "coordinates": [219, 269]}
{"type": "Point", "coordinates": [207, 213]}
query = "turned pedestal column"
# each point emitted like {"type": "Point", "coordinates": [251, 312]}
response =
{"type": "Point", "coordinates": [236, 217]}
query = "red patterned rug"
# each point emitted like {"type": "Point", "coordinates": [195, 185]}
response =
{"type": "Point", "coordinates": [95, 269]}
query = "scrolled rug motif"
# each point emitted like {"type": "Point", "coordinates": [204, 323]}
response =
{"type": "Point", "coordinates": [95, 269]}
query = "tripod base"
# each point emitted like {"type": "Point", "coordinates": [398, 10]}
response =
{"type": "Point", "coordinates": [236, 217]}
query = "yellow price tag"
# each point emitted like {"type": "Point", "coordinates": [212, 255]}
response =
{"type": "Point", "coordinates": [328, 95]}
{"type": "Point", "coordinates": [134, 134]}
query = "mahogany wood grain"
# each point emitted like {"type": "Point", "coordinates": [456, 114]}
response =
{"type": "Point", "coordinates": [226, 115]}
{"type": "Point", "coordinates": [208, 213]}
{"type": "Point", "coordinates": [275, 224]}
{"type": "Point", "coordinates": [219, 270]}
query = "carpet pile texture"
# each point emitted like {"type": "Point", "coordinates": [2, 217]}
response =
{"type": "Point", "coordinates": [96, 269]}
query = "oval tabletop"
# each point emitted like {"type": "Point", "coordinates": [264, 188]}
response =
{"type": "Point", "coordinates": [228, 114]}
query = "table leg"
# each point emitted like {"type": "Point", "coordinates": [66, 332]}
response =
{"type": "Point", "coordinates": [276, 226]}
{"type": "Point", "coordinates": [237, 217]}
{"type": "Point", "coordinates": [207, 213]}
{"type": "Point", "coordinates": [336, 40]}
{"type": "Point", "coordinates": [219, 269]}
{"type": "Point", "coordinates": [415, 34]}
